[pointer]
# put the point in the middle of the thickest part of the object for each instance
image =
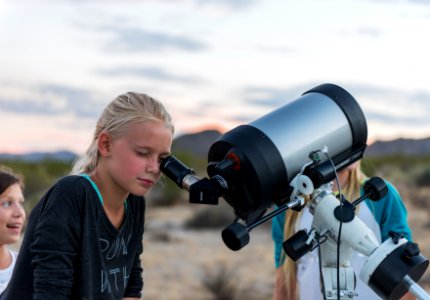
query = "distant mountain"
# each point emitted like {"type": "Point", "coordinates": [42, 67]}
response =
{"type": "Point", "coordinates": [199, 143]}
{"type": "Point", "coordinates": [196, 143]}
{"type": "Point", "coordinates": [413, 147]}
{"type": "Point", "coordinates": [38, 156]}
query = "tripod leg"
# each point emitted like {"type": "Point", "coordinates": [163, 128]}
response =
{"type": "Point", "coordinates": [415, 288]}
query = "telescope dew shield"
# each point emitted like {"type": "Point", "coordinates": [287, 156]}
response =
{"type": "Point", "coordinates": [273, 149]}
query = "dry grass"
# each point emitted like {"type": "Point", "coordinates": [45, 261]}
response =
{"type": "Point", "coordinates": [220, 281]}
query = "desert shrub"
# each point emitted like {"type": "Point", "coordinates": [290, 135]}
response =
{"type": "Point", "coordinates": [422, 178]}
{"type": "Point", "coordinates": [166, 193]}
{"type": "Point", "coordinates": [368, 167]}
{"type": "Point", "coordinates": [220, 281]}
{"type": "Point", "coordinates": [398, 169]}
{"type": "Point", "coordinates": [38, 176]}
{"type": "Point", "coordinates": [211, 217]}
{"type": "Point", "coordinates": [419, 197]}
{"type": "Point", "coordinates": [162, 235]}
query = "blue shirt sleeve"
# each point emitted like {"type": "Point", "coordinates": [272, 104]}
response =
{"type": "Point", "coordinates": [278, 236]}
{"type": "Point", "coordinates": [390, 213]}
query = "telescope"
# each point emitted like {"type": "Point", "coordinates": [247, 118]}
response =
{"type": "Point", "coordinates": [287, 155]}
{"type": "Point", "coordinates": [251, 166]}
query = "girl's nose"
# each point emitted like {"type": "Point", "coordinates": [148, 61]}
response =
{"type": "Point", "coordinates": [154, 166]}
{"type": "Point", "coordinates": [18, 210]}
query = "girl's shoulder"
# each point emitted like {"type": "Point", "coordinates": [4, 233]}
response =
{"type": "Point", "coordinates": [70, 181]}
{"type": "Point", "coordinates": [71, 184]}
{"type": "Point", "coordinates": [70, 190]}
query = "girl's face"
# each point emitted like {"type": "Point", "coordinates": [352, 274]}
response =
{"type": "Point", "coordinates": [12, 214]}
{"type": "Point", "coordinates": [134, 158]}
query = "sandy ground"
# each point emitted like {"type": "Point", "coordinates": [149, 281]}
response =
{"type": "Point", "coordinates": [177, 261]}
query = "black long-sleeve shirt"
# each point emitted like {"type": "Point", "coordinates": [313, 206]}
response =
{"type": "Point", "coordinates": [72, 251]}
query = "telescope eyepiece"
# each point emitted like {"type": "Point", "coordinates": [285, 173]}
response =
{"type": "Point", "coordinates": [182, 175]}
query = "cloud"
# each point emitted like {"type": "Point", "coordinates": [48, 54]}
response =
{"type": "Point", "coordinates": [420, 1]}
{"type": "Point", "coordinates": [136, 40]}
{"type": "Point", "coordinates": [49, 100]}
{"type": "Point", "coordinates": [235, 4]}
{"type": "Point", "coordinates": [277, 49]}
{"type": "Point", "coordinates": [363, 31]}
{"type": "Point", "coordinates": [391, 96]}
{"type": "Point", "coordinates": [154, 73]}
{"type": "Point", "coordinates": [390, 105]}
{"type": "Point", "coordinates": [390, 119]}
{"type": "Point", "coordinates": [370, 31]}
{"type": "Point", "coordinates": [274, 97]}
{"type": "Point", "coordinates": [407, 1]}
{"type": "Point", "coordinates": [381, 104]}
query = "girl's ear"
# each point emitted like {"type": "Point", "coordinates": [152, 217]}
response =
{"type": "Point", "coordinates": [104, 144]}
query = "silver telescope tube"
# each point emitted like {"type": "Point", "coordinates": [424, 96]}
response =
{"type": "Point", "coordinates": [270, 151]}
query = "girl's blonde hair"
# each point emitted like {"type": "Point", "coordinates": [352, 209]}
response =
{"type": "Point", "coordinates": [351, 190]}
{"type": "Point", "coordinates": [123, 111]}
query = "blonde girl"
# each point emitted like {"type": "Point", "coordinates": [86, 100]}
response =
{"type": "Point", "coordinates": [294, 281]}
{"type": "Point", "coordinates": [84, 237]}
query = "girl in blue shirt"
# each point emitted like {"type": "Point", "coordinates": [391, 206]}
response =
{"type": "Point", "coordinates": [300, 280]}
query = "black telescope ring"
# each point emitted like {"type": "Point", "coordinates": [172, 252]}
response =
{"type": "Point", "coordinates": [349, 106]}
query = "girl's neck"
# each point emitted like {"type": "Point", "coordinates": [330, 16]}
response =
{"type": "Point", "coordinates": [5, 257]}
{"type": "Point", "coordinates": [113, 197]}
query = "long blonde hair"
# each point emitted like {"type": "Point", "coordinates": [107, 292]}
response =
{"type": "Point", "coordinates": [116, 118]}
{"type": "Point", "coordinates": [351, 190]}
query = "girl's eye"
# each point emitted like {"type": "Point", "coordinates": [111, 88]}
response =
{"type": "Point", "coordinates": [142, 153]}
{"type": "Point", "coordinates": [6, 204]}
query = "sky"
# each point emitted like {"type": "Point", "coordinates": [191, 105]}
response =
{"type": "Point", "coordinates": [212, 63]}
